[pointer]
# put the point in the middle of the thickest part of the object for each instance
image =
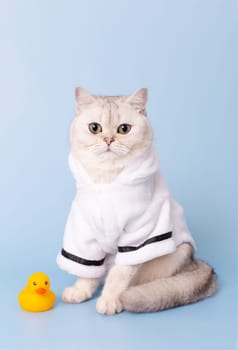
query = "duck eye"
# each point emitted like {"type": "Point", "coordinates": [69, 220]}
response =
{"type": "Point", "coordinates": [95, 128]}
{"type": "Point", "coordinates": [46, 283]}
{"type": "Point", "coordinates": [124, 129]}
{"type": "Point", "coordinates": [34, 283]}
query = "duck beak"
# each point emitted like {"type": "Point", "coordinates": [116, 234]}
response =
{"type": "Point", "coordinates": [41, 290]}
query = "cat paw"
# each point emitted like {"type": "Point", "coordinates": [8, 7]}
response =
{"type": "Point", "coordinates": [108, 306]}
{"type": "Point", "coordinates": [75, 295]}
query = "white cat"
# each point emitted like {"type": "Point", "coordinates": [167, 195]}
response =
{"type": "Point", "coordinates": [124, 225]}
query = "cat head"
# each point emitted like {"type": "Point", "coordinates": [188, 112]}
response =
{"type": "Point", "coordinates": [110, 128]}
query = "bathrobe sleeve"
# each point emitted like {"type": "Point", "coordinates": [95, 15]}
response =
{"type": "Point", "coordinates": [81, 254]}
{"type": "Point", "coordinates": [148, 236]}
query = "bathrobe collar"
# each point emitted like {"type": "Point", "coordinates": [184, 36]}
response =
{"type": "Point", "coordinates": [137, 171]}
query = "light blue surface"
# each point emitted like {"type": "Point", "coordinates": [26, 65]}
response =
{"type": "Point", "coordinates": [186, 53]}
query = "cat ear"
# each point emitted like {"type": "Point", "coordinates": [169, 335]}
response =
{"type": "Point", "coordinates": [83, 97]}
{"type": "Point", "coordinates": [138, 100]}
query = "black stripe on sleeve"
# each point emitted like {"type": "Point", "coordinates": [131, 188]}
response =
{"type": "Point", "coordinates": [148, 241]}
{"type": "Point", "coordinates": [82, 261]}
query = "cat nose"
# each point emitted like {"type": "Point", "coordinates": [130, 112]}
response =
{"type": "Point", "coordinates": [108, 140]}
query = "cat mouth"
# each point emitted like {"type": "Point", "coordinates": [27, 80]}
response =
{"type": "Point", "coordinates": [109, 154]}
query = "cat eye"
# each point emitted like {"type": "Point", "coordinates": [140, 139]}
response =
{"type": "Point", "coordinates": [95, 128]}
{"type": "Point", "coordinates": [124, 129]}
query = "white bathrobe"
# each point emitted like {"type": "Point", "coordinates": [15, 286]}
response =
{"type": "Point", "coordinates": [128, 222]}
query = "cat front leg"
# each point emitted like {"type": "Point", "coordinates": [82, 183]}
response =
{"type": "Point", "coordinates": [82, 290]}
{"type": "Point", "coordinates": [117, 281]}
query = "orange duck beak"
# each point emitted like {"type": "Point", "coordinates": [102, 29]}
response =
{"type": "Point", "coordinates": [41, 290]}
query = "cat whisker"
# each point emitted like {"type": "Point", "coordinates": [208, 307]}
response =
{"type": "Point", "coordinates": [95, 146]}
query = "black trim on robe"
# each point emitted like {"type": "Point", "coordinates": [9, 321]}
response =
{"type": "Point", "coordinates": [148, 241]}
{"type": "Point", "coordinates": [82, 261]}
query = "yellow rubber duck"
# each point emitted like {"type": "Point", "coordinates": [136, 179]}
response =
{"type": "Point", "coordinates": [37, 296]}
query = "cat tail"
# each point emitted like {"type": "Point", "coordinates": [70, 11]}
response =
{"type": "Point", "coordinates": [196, 282]}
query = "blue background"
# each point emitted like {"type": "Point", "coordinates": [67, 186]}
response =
{"type": "Point", "coordinates": [186, 53]}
